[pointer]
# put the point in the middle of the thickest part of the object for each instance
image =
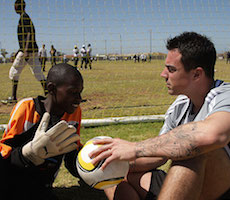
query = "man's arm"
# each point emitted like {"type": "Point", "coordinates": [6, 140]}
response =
{"type": "Point", "coordinates": [146, 164]}
{"type": "Point", "coordinates": [189, 140]}
{"type": "Point", "coordinates": [186, 141]}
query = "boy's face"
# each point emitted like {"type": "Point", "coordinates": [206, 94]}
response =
{"type": "Point", "coordinates": [68, 96]}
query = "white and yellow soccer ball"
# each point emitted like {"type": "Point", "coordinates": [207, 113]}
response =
{"type": "Point", "coordinates": [112, 175]}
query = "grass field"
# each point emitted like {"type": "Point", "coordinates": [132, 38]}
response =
{"type": "Point", "coordinates": [115, 88]}
{"type": "Point", "coordinates": [112, 88]}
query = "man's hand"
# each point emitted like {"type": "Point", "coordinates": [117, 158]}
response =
{"type": "Point", "coordinates": [113, 149]}
{"type": "Point", "coordinates": [60, 139]}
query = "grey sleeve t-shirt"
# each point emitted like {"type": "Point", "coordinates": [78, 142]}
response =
{"type": "Point", "coordinates": [180, 112]}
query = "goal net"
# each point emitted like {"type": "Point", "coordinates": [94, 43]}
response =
{"type": "Point", "coordinates": [127, 39]}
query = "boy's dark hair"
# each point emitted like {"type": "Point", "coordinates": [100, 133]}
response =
{"type": "Point", "coordinates": [196, 50]}
{"type": "Point", "coordinates": [20, 5]}
{"type": "Point", "coordinates": [62, 72]}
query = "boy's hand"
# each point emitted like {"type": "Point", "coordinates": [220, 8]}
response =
{"type": "Point", "coordinates": [60, 139]}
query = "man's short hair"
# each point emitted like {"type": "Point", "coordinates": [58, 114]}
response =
{"type": "Point", "coordinates": [62, 72]}
{"type": "Point", "coordinates": [196, 50]}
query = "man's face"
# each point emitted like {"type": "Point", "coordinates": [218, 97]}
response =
{"type": "Point", "coordinates": [68, 96]}
{"type": "Point", "coordinates": [177, 79]}
{"type": "Point", "coordinates": [19, 8]}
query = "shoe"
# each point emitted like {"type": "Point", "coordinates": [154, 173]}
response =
{"type": "Point", "coordinates": [10, 100]}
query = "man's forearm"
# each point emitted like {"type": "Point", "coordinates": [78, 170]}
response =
{"type": "Point", "coordinates": [145, 164]}
{"type": "Point", "coordinates": [180, 143]}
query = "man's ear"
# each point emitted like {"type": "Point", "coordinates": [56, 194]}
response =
{"type": "Point", "coordinates": [51, 88]}
{"type": "Point", "coordinates": [198, 73]}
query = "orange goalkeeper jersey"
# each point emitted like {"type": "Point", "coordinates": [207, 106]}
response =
{"type": "Point", "coordinates": [16, 171]}
{"type": "Point", "coordinates": [25, 115]}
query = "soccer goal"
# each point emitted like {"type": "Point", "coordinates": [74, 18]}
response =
{"type": "Point", "coordinates": [127, 48]}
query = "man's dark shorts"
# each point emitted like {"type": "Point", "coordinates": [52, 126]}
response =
{"type": "Point", "coordinates": [157, 179]}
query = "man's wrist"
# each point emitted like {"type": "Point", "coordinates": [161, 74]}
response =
{"type": "Point", "coordinates": [139, 149]}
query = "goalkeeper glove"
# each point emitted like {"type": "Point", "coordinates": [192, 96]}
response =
{"type": "Point", "coordinates": [59, 139]}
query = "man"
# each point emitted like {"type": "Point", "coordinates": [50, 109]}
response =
{"type": "Point", "coordinates": [195, 135]}
{"type": "Point", "coordinates": [75, 55]}
{"type": "Point", "coordinates": [228, 57]}
{"type": "Point", "coordinates": [89, 54]}
{"type": "Point", "coordinates": [53, 52]}
{"type": "Point", "coordinates": [43, 57]}
{"type": "Point", "coordinates": [41, 133]}
{"type": "Point", "coordinates": [27, 53]}
{"type": "Point", "coordinates": [83, 57]}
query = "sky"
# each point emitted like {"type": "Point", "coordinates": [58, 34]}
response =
{"type": "Point", "coordinates": [117, 26]}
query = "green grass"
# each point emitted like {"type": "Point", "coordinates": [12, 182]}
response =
{"type": "Point", "coordinates": [118, 88]}
{"type": "Point", "coordinates": [112, 88]}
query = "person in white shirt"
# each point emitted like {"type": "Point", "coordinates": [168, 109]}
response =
{"type": "Point", "coordinates": [43, 57]}
{"type": "Point", "coordinates": [89, 53]}
{"type": "Point", "coordinates": [75, 55]}
{"type": "Point", "coordinates": [83, 57]}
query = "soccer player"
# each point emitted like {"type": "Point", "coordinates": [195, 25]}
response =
{"type": "Point", "coordinates": [27, 53]}
{"type": "Point", "coordinates": [75, 55]}
{"type": "Point", "coordinates": [195, 134]}
{"type": "Point", "coordinates": [228, 57]}
{"type": "Point", "coordinates": [41, 133]}
{"type": "Point", "coordinates": [43, 57]}
{"type": "Point", "coordinates": [83, 57]}
{"type": "Point", "coordinates": [53, 52]}
{"type": "Point", "coordinates": [89, 54]}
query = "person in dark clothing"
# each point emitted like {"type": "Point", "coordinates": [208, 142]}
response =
{"type": "Point", "coordinates": [41, 133]}
{"type": "Point", "coordinates": [27, 53]}
{"type": "Point", "coordinates": [53, 52]}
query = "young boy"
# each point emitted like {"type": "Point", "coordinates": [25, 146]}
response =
{"type": "Point", "coordinates": [40, 134]}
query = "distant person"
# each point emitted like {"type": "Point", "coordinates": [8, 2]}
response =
{"type": "Point", "coordinates": [150, 57]}
{"type": "Point", "coordinates": [135, 57]}
{"type": "Point", "coordinates": [228, 57]}
{"type": "Point", "coordinates": [65, 60]}
{"type": "Point", "coordinates": [75, 55]}
{"type": "Point", "coordinates": [43, 57]}
{"type": "Point", "coordinates": [89, 56]}
{"type": "Point", "coordinates": [53, 52]}
{"type": "Point", "coordinates": [143, 57]}
{"type": "Point", "coordinates": [138, 58]}
{"type": "Point", "coordinates": [41, 133]}
{"type": "Point", "coordinates": [83, 57]}
{"type": "Point", "coordinates": [27, 53]}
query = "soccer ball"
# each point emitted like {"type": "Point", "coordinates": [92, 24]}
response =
{"type": "Point", "coordinates": [112, 175]}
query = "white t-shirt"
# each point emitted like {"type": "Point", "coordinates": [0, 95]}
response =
{"type": "Point", "coordinates": [83, 52]}
{"type": "Point", "coordinates": [75, 52]}
{"type": "Point", "coordinates": [180, 112]}
{"type": "Point", "coordinates": [42, 52]}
